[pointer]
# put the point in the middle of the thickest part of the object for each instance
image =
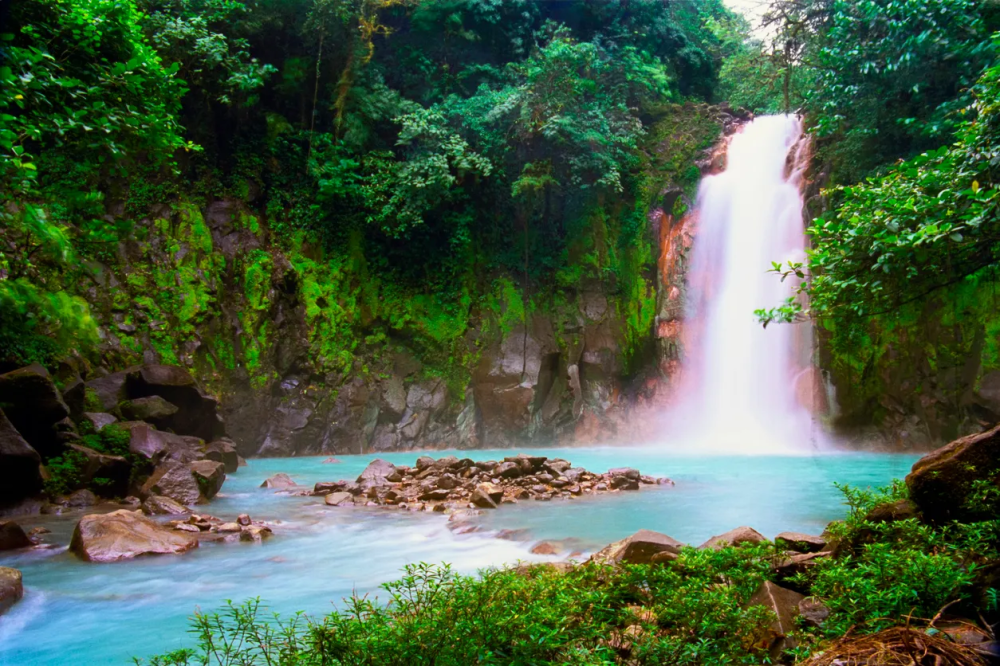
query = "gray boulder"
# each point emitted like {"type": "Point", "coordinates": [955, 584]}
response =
{"type": "Point", "coordinates": [152, 409]}
{"type": "Point", "coordinates": [209, 475]}
{"type": "Point", "coordinates": [158, 505]}
{"type": "Point", "coordinates": [279, 481]}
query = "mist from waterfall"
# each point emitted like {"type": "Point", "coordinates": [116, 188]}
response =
{"type": "Point", "coordinates": [742, 387]}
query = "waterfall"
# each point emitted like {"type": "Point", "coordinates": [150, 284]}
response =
{"type": "Point", "coordinates": [742, 387]}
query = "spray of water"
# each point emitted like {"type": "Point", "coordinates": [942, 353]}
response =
{"type": "Point", "coordinates": [741, 384]}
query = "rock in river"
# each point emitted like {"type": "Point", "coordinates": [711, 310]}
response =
{"type": "Point", "coordinates": [123, 535]}
{"type": "Point", "coordinates": [11, 588]}
{"type": "Point", "coordinates": [12, 536]}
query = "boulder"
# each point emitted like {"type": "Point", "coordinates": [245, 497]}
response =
{"type": "Point", "coordinates": [224, 451]}
{"type": "Point", "coordinates": [624, 483]}
{"type": "Point", "coordinates": [98, 420]}
{"type": "Point", "coordinates": [34, 406]}
{"type": "Point", "coordinates": [157, 446]}
{"type": "Point", "coordinates": [152, 409]}
{"type": "Point", "coordinates": [892, 512]}
{"type": "Point", "coordinates": [197, 412]}
{"type": "Point", "coordinates": [339, 499]}
{"type": "Point", "coordinates": [158, 505]}
{"type": "Point", "coordinates": [210, 475]}
{"type": "Point", "coordinates": [546, 548]}
{"type": "Point", "coordinates": [376, 472]}
{"type": "Point", "coordinates": [123, 535]}
{"type": "Point", "coordinates": [813, 612]}
{"type": "Point", "coordinates": [784, 603]}
{"type": "Point", "coordinates": [800, 543]}
{"type": "Point", "coordinates": [174, 480]}
{"type": "Point", "coordinates": [508, 470]}
{"type": "Point", "coordinates": [115, 469]}
{"type": "Point", "coordinates": [78, 499]}
{"type": "Point", "coordinates": [12, 536]}
{"type": "Point", "coordinates": [486, 495]}
{"type": "Point", "coordinates": [110, 390]}
{"type": "Point", "coordinates": [11, 588]}
{"type": "Point", "coordinates": [626, 472]}
{"type": "Point", "coordinates": [638, 548]}
{"type": "Point", "coordinates": [255, 533]}
{"type": "Point", "coordinates": [736, 537]}
{"type": "Point", "coordinates": [423, 462]}
{"type": "Point", "coordinates": [279, 481]}
{"type": "Point", "coordinates": [940, 483]}
{"type": "Point", "coordinates": [19, 473]}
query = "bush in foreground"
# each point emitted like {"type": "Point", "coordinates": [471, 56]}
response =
{"type": "Point", "coordinates": [691, 611]}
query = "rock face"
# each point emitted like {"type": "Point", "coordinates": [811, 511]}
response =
{"type": "Point", "coordinates": [34, 407]}
{"type": "Point", "coordinates": [640, 548]}
{"type": "Point", "coordinates": [940, 483]}
{"type": "Point", "coordinates": [11, 588]}
{"type": "Point", "coordinates": [123, 535]}
{"type": "Point", "coordinates": [19, 475]}
{"type": "Point", "coordinates": [12, 536]}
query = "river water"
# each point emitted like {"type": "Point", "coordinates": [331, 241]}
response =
{"type": "Point", "coordinates": [85, 613]}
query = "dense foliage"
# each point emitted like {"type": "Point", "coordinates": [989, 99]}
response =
{"type": "Point", "coordinates": [690, 611]}
{"type": "Point", "coordinates": [432, 151]}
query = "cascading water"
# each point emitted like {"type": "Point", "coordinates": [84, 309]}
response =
{"type": "Point", "coordinates": [742, 385]}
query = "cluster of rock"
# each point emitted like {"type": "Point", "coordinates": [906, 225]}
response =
{"type": "Point", "coordinates": [450, 483]}
{"type": "Point", "coordinates": [177, 439]}
{"type": "Point", "coordinates": [124, 535]}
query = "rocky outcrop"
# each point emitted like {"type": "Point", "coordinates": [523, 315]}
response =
{"type": "Point", "coordinates": [451, 484]}
{"type": "Point", "coordinates": [19, 463]}
{"type": "Point", "coordinates": [123, 535]}
{"type": "Point", "coordinates": [11, 588]}
{"type": "Point", "coordinates": [941, 483]}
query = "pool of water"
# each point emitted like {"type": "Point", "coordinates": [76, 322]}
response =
{"type": "Point", "coordinates": [106, 613]}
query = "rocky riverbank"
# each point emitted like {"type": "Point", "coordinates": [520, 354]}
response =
{"type": "Point", "coordinates": [149, 430]}
{"type": "Point", "coordinates": [451, 484]}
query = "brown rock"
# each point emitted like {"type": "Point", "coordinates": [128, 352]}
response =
{"type": "Point", "coordinates": [173, 480]}
{"type": "Point", "coordinates": [813, 612]}
{"type": "Point", "coordinates": [508, 470]}
{"type": "Point", "coordinates": [255, 533]}
{"type": "Point", "coordinates": [123, 535]}
{"type": "Point", "coordinates": [98, 420]}
{"type": "Point", "coordinates": [78, 499]}
{"type": "Point", "coordinates": [12, 536]}
{"type": "Point", "coordinates": [376, 472]}
{"type": "Point", "coordinates": [893, 512]}
{"type": "Point", "coordinates": [158, 505]}
{"type": "Point", "coordinates": [11, 588]}
{"type": "Point", "coordinates": [223, 451]}
{"type": "Point", "coordinates": [784, 603]}
{"type": "Point", "coordinates": [546, 548]}
{"type": "Point", "coordinates": [339, 499]}
{"type": "Point", "coordinates": [801, 543]}
{"type": "Point", "coordinates": [279, 481]}
{"type": "Point", "coordinates": [244, 519]}
{"type": "Point", "coordinates": [157, 446]}
{"type": "Point", "coordinates": [486, 495]}
{"type": "Point", "coordinates": [941, 481]}
{"type": "Point", "coordinates": [736, 537]}
{"type": "Point", "coordinates": [209, 475]}
{"type": "Point", "coordinates": [638, 548]}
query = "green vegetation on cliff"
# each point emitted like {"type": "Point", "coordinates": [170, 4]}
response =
{"type": "Point", "coordinates": [393, 164]}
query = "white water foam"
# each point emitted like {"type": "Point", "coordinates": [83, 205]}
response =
{"type": "Point", "coordinates": [737, 391]}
